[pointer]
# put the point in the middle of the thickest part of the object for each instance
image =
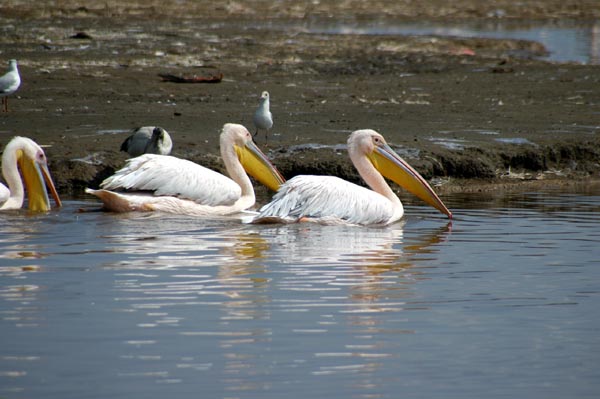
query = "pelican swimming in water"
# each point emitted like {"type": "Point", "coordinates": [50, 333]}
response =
{"type": "Point", "coordinates": [164, 183]}
{"type": "Point", "coordinates": [9, 83]}
{"type": "Point", "coordinates": [331, 200]}
{"type": "Point", "coordinates": [24, 155]}
{"type": "Point", "coordinates": [148, 140]}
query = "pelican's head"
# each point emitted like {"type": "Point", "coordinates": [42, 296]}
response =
{"type": "Point", "coordinates": [253, 160]}
{"type": "Point", "coordinates": [32, 162]}
{"type": "Point", "coordinates": [372, 145]}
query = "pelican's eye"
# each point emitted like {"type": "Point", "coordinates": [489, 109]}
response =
{"type": "Point", "coordinates": [40, 157]}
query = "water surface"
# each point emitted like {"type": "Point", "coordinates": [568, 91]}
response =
{"type": "Point", "coordinates": [566, 40]}
{"type": "Point", "coordinates": [500, 303]}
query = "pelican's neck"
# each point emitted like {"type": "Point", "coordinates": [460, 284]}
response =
{"type": "Point", "coordinates": [372, 177]}
{"type": "Point", "coordinates": [238, 174]}
{"type": "Point", "coordinates": [377, 183]}
{"type": "Point", "coordinates": [10, 171]}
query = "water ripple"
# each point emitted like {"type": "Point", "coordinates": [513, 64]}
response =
{"type": "Point", "coordinates": [170, 302]}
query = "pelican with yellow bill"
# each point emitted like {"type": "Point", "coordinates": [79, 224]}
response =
{"type": "Point", "coordinates": [331, 200]}
{"type": "Point", "coordinates": [25, 170]}
{"type": "Point", "coordinates": [168, 184]}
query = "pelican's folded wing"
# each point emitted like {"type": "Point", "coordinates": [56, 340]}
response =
{"type": "Point", "coordinates": [165, 175]}
{"type": "Point", "coordinates": [325, 198]}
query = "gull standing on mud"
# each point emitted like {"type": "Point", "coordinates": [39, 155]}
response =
{"type": "Point", "coordinates": [9, 83]}
{"type": "Point", "coordinates": [331, 200]}
{"type": "Point", "coordinates": [165, 183]}
{"type": "Point", "coordinates": [263, 119]}
{"type": "Point", "coordinates": [148, 140]}
{"type": "Point", "coordinates": [24, 155]}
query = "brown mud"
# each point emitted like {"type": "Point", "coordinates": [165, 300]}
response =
{"type": "Point", "coordinates": [469, 114]}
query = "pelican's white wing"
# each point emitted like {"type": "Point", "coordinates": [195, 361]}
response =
{"type": "Point", "coordinates": [164, 175]}
{"type": "Point", "coordinates": [4, 193]}
{"type": "Point", "coordinates": [326, 198]}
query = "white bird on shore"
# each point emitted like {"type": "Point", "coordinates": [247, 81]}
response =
{"type": "Point", "coordinates": [164, 183]}
{"type": "Point", "coordinates": [9, 83]}
{"type": "Point", "coordinates": [24, 155]}
{"type": "Point", "coordinates": [263, 119]}
{"type": "Point", "coordinates": [331, 200]}
{"type": "Point", "coordinates": [148, 140]}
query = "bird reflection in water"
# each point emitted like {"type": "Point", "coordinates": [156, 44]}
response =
{"type": "Point", "coordinates": [237, 287]}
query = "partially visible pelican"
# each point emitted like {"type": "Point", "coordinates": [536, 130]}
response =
{"type": "Point", "coordinates": [24, 155]}
{"type": "Point", "coordinates": [329, 199]}
{"type": "Point", "coordinates": [263, 119]}
{"type": "Point", "coordinates": [9, 83]}
{"type": "Point", "coordinates": [148, 140]}
{"type": "Point", "coordinates": [4, 193]}
{"type": "Point", "coordinates": [164, 183]}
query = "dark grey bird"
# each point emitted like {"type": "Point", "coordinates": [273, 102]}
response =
{"type": "Point", "coordinates": [148, 140]}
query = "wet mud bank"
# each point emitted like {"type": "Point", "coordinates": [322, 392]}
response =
{"type": "Point", "coordinates": [468, 113]}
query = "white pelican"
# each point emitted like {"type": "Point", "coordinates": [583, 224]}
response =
{"type": "Point", "coordinates": [164, 183]}
{"type": "Point", "coordinates": [4, 193]}
{"type": "Point", "coordinates": [148, 140]}
{"type": "Point", "coordinates": [329, 199]}
{"type": "Point", "coordinates": [9, 83]}
{"type": "Point", "coordinates": [25, 155]}
{"type": "Point", "coordinates": [263, 119]}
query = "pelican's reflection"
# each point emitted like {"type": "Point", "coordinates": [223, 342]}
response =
{"type": "Point", "coordinates": [239, 287]}
{"type": "Point", "coordinates": [180, 242]}
{"type": "Point", "coordinates": [387, 287]}
{"type": "Point", "coordinates": [173, 242]}
{"type": "Point", "coordinates": [371, 262]}
{"type": "Point", "coordinates": [214, 262]}
{"type": "Point", "coordinates": [333, 245]}
{"type": "Point", "coordinates": [392, 279]}
{"type": "Point", "coordinates": [372, 271]}
{"type": "Point", "coordinates": [372, 267]}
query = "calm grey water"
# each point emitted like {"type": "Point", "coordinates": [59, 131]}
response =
{"type": "Point", "coordinates": [503, 303]}
{"type": "Point", "coordinates": [566, 40]}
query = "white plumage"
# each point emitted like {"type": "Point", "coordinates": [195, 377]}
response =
{"type": "Point", "coordinates": [164, 175]}
{"type": "Point", "coordinates": [263, 119]}
{"type": "Point", "coordinates": [4, 193]}
{"type": "Point", "coordinates": [329, 199]}
{"type": "Point", "coordinates": [23, 155]}
{"type": "Point", "coordinates": [9, 83]}
{"type": "Point", "coordinates": [164, 183]}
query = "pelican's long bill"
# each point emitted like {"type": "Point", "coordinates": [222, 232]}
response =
{"type": "Point", "coordinates": [258, 166]}
{"type": "Point", "coordinates": [35, 179]}
{"type": "Point", "coordinates": [393, 167]}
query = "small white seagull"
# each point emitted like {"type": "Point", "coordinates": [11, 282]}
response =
{"type": "Point", "coordinates": [148, 140]}
{"type": "Point", "coordinates": [263, 119]}
{"type": "Point", "coordinates": [9, 83]}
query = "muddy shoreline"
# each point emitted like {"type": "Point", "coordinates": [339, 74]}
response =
{"type": "Point", "coordinates": [469, 114]}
